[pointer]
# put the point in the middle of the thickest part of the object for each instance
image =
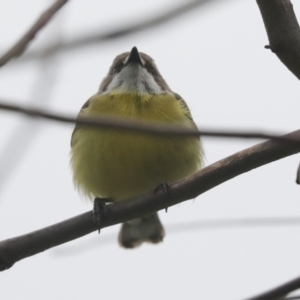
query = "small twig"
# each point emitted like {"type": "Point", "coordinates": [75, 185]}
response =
{"type": "Point", "coordinates": [105, 122]}
{"type": "Point", "coordinates": [124, 30]}
{"type": "Point", "coordinates": [19, 141]}
{"type": "Point", "coordinates": [184, 227]}
{"type": "Point", "coordinates": [283, 32]}
{"type": "Point", "coordinates": [15, 249]}
{"type": "Point", "coordinates": [41, 22]}
{"type": "Point", "coordinates": [298, 175]}
{"type": "Point", "coordinates": [280, 291]}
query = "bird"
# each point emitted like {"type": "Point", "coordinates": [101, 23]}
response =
{"type": "Point", "coordinates": [114, 165]}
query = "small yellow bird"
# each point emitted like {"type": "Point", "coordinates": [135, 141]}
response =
{"type": "Point", "coordinates": [116, 165]}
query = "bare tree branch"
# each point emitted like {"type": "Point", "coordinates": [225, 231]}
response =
{"type": "Point", "coordinates": [20, 140]}
{"type": "Point", "coordinates": [41, 22]}
{"type": "Point", "coordinates": [280, 291]}
{"type": "Point", "coordinates": [143, 127]}
{"type": "Point", "coordinates": [298, 175]}
{"type": "Point", "coordinates": [15, 249]}
{"type": "Point", "coordinates": [89, 39]}
{"type": "Point", "coordinates": [283, 32]}
{"type": "Point", "coordinates": [183, 227]}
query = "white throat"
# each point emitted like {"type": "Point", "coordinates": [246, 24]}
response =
{"type": "Point", "coordinates": [134, 78]}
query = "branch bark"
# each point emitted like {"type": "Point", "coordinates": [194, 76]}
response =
{"type": "Point", "coordinates": [15, 249]}
{"type": "Point", "coordinates": [142, 127]}
{"type": "Point", "coordinates": [280, 291]}
{"type": "Point", "coordinates": [124, 30]}
{"type": "Point", "coordinates": [24, 41]}
{"type": "Point", "coordinates": [283, 32]}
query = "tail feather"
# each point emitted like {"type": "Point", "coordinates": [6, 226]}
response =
{"type": "Point", "coordinates": [147, 229]}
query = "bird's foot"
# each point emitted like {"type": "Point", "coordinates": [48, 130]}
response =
{"type": "Point", "coordinates": [163, 188]}
{"type": "Point", "coordinates": [100, 210]}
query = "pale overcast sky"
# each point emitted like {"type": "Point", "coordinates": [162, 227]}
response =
{"type": "Point", "coordinates": [215, 59]}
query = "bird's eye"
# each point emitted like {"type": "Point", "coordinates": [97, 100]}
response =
{"type": "Point", "coordinates": [151, 70]}
{"type": "Point", "coordinates": [116, 71]}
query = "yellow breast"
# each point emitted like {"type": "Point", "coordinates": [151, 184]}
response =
{"type": "Point", "coordinates": [118, 165]}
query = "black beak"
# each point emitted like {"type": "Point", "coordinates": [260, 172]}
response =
{"type": "Point", "coordinates": [134, 57]}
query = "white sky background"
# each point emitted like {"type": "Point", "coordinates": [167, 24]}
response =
{"type": "Point", "coordinates": [215, 59]}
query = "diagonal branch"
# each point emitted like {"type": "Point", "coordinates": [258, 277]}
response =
{"type": "Point", "coordinates": [89, 39]}
{"type": "Point", "coordinates": [292, 298]}
{"type": "Point", "coordinates": [20, 141]}
{"type": "Point", "coordinates": [142, 127]}
{"type": "Point", "coordinates": [280, 291]}
{"type": "Point", "coordinates": [15, 249]}
{"type": "Point", "coordinates": [183, 227]}
{"type": "Point", "coordinates": [283, 32]}
{"type": "Point", "coordinates": [40, 23]}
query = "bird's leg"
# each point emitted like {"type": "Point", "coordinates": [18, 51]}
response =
{"type": "Point", "coordinates": [163, 188]}
{"type": "Point", "coordinates": [100, 210]}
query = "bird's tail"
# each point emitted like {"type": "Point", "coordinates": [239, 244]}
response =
{"type": "Point", "coordinates": [147, 229]}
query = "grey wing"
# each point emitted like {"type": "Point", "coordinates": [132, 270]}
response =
{"type": "Point", "coordinates": [179, 98]}
{"type": "Point", "coordinates": [189, 115]}
{"type": "Point", "coordinates": [85, 105]}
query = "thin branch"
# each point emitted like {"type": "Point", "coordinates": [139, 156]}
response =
{"type": "Point", "coordinates": [280, 291]}
{"type": "Point", "coordinates": [15, 249]}
{"type": "Point", "coordinates": [20, 140]}
{"type": "Point", "coordinates": [298, 175]}
{"type": "Point", "coordinates": [143, 127]}
{"type": "Point", "coordinates": [283, 32]}
{"type": "Point", "coordinates": [183, 227]}
{"type": "Point", "coordinates": [40, 23]}
{"type": "Point", "coordinates": [124, 30]}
